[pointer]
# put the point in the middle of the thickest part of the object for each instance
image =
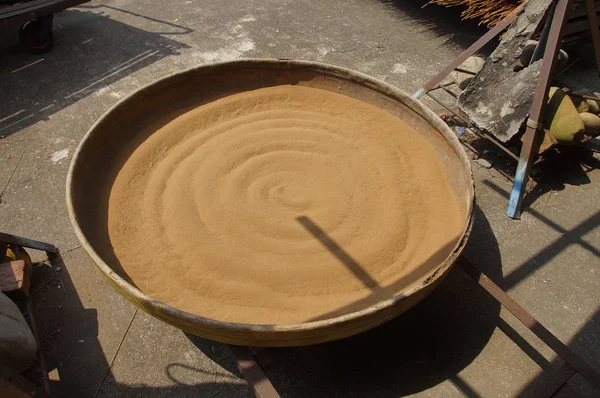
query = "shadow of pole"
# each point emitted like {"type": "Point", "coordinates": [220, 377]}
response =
{"type": "Point", "coordinates": [340, 253]}
{"type": "Point", "coordinates": [570, 237]}
{"type": "Point", "coordinates": [463, 386]}
{"type": "Point", "coordinates": [65, 327]}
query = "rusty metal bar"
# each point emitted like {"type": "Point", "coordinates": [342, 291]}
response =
{"type": "Point", "coordinates": [500, 146]}
{"type": "Point", "coordinates": [534, 133]}
{"type": "Point", "coordinates": [483, 40]}
{"type": "Point", "coordinates": [258, 382]}
{"type": "Point", "coordinates": [532, 324]}
{"type": "Point", "coordinates": [447, 108]}
{"type": "Point", "coordinates": [445, 88]}
{"type": "Point", "coordinates": [475, 129]}
{"type": "Point", "coordinates": [33, 244]}
{"type": "Point", "coordinates": [538, 52]}
{"type": "Point", "coordinates": [595, 32]}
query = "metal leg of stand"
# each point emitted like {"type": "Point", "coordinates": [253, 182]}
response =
{"type": "Point", "coordinates": [594, 30]}
{"type": "Point", "coordinates": [563, 351]}
{"type": "Point", "coordinates": [483, 40]}
{"type": "Point", "coordinates": [33, 244]}
{"type": "Point", "coordinates": [534, 132]}
{"type": "Point", "coordinates": [258, 382]}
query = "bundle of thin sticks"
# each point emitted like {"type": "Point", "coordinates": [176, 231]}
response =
{"type": "Point", "coordinates": [489, 12]}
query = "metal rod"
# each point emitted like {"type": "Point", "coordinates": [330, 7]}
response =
{"type": "Point", "coordinates": [33, 244]}
{"type": "Point", "coordinates": [468, 72]}
{"type": "Point", "coordinates": [445, 88]}
{"type": "Point", "coordinates": [475, 129]}
{"type": "Point", "coordinates": [252, 372]}
{"type": "Point", "coordinates": [448, 109]}
{"type": "Point", "coordinates": [539, 49]}
{"type": "Point", "coordinates": [532, 324]}
{"type": "Point", "coordinates": [469, 147]}
{"type": "Point", "coordinates": [594, 30]}
{"type": "Point", "coordinates": [483, 40]}
{"type": "Point", "coordinates": [499, 145]}
{"type": "Point", "coordinates": [534, 134]}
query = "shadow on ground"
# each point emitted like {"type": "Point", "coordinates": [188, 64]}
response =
{"type": "Point", "coordinates": [92, 51]}
{"type": "Point", "coordinates": [561, 168]}
{"type": "Point", "coordinates": [67, 330]}
{"type": "Point", "coordinates": [568, 237]}
{"type": "Point", "coordinates": [74, 358]}
{"type": "Point", "coordinates": [557, 168]}
{"type": "Point", "coordinates": [578, 386]}
{"type": "Point", "coordinates": [425, 346]}
{"type": "Point", "coordinates": [444, 22]}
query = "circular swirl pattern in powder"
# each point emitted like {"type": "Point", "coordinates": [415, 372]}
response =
{"type": "Point", "coordinates": [282, 205]}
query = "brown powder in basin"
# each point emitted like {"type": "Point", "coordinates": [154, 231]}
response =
{"type": "Point", "coordinates": [282, 205]}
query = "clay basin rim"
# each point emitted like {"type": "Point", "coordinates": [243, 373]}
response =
{"type": "Point", "coordinates": [116, 134]}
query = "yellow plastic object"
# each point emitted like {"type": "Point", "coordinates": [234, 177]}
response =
{"type": "Point", "coordinates": [561, 119]}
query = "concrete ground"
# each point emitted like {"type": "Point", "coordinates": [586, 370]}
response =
{"type": "Point", "coordinates": [462, 343]}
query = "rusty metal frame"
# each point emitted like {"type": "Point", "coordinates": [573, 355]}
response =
{"type": "Point", "coordinates": [433, 83]}
{"type": "Point", "coordinates": [483, 40]}
{"type": "Point", "coordinates": [25, 242]}
{"type": "Point", "coordinates": [248, 366]}
{"type": "Point", "coordinates": [574, 364]}
{"type": "Point", "coordinates": [594, 30]}
{"type": "Point", "coordinates": [262, 387]}
{"type": "Point", "coordinates": [534, 133]}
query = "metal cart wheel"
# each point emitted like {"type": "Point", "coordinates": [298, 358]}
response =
{"type": "Point", "coordinates": [37, 35]}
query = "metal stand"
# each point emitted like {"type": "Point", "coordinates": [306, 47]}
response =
{"type": "Point", "coordinates": [534, 133]}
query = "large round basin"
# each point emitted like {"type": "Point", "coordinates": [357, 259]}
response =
{"type": "Point", "coordinates": [271, 202]}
